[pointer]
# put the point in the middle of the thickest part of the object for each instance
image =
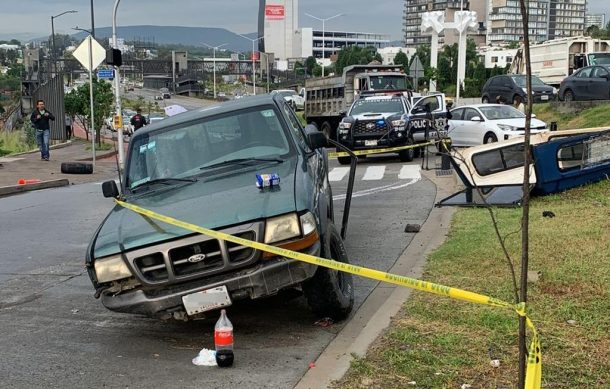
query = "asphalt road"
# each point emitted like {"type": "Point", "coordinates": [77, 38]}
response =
{"type": "Point", "coordinates": [53, 333]}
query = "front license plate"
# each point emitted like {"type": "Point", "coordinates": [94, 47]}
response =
{"type": "Point", "coordinates": [544, 97]}
{"type": "Point", "coordinates": [206, 300]}
{"type": "Point", "coordinates": [370, 143]}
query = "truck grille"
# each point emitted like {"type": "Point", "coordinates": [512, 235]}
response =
{"type": "Point", "coordinates": [370, 127]}
{"type": "Point", "coordinates": [194, 257]}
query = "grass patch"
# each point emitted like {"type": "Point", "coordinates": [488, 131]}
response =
{"type": "Point", "coordinates": [598, 116]}
{"type": "Point", "coordinates": [14, 142]}
{"type": "Point", "coordinates": [443, 343]}
{"type": "Point", "coordinates": [301, 116]}
{"type": "Point", "coordinates": [103, 147]}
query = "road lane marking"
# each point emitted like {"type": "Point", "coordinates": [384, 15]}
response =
{"type": "Point", "coordinates": [337, 173]}
{"type": "Point", "coordinates": [379, 189]}
{"type": "Point", "coordinates": [374, 173]}
{"type": "Point", "coordinates": [409, 172]}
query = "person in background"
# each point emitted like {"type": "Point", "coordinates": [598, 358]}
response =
{"type": "Point", "coordinates": [519, 103]}
{"type": "Point", "coordinates": [500, 100]}
{"type": "Point", "coordinates": [40, 120]}
{"type": "Point", "coordinates": [138, 120]}
{"type": "Point", "coordinates": [68, 127]}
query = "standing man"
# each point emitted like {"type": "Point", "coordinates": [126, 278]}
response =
{"type": "Point", "coordinates": [40, 119]}
{"type": "Point", "coordinates": [138, 120]}
{"type": "Point", "coordinates": [68, 127]}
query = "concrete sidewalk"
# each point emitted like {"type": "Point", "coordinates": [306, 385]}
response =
{"type": "Point", "coordinates": [30, 166]}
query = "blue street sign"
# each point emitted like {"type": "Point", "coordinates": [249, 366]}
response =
{"type": "Point", "coordinates": [105, 73]}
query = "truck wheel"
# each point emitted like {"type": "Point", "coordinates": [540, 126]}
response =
{"type": "Point", "coordinates": [408, 154]}
{"type": "Point", "coordinates": [330, 293]}
{"type": "Point", "coordinates": [327, 130]}
{"type": "Point", "coordinates": [344, 160]}
{"type": "Point", "coordinates": [76, 168]}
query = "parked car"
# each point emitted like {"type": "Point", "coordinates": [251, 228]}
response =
{"type": "Point", "coordinates": [201, 167]}
{"type": "Point", "coordinates": [167, 95]}
{"type": "Point", "coordinates": [487, 123]}
{"type": "Point", "coordinates": [512, 85]}
{"type": "Point", "coordinates": [296, 101]}
{"type": "Point", "coordinates": [588, 83]}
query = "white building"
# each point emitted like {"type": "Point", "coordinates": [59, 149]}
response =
{"type": "Point", "coordinates": [389, 53]}
{"type": "Point", "coordinates": [499, 57]}
{"type": "Point", "coordinates": [281, 28]}
{"type": "Point", "coordinates": [598, 20]}
{"type": "Point", "coordinates": [7, 47]}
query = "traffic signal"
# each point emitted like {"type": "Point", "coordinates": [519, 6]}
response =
{"type": "Point", "coordinates": [114, 57]}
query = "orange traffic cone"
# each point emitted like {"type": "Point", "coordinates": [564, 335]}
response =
{"type": "Point", "coordinates": [23, 181]}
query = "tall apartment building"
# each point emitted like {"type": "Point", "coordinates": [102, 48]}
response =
{"type": "Point", "coordinates": [566, 18]}
{"type": "Point", "coordinates": [413, 10]}
{"type": "Point", "coordinates": [598, 20]}
{"type": "Point", "coordinates": [505, 23]}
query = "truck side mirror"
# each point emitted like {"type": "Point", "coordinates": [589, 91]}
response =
{"type": "Point", "coordinates": [315, 138]}
{"type": "Point", "coordinates": [110, 190]}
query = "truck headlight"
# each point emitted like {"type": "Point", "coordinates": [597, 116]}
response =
{"type": "Point", "coordinates": [111, 269]}
{"type": "Point", "coordinates": [282, 228]}
{"type": "Point", "coordinates": [345, 125]}
{"type": "Point", "coordinates": [297, 241]}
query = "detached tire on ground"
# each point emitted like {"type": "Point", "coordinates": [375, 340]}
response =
{"type": "Point", "coordinates": [330, 293]}
{"type": "Point", "coordinates": [76, 168]}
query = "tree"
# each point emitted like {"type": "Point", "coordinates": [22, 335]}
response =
{"type": "Point", "coordinates": [401, 59]}
{"type": "Point", "coordinates": [310, 64]}
{"type": "Point", "coordinates": [423, 52]}
{"type": "Point", "coordinates": [355, 55]}
{"type": "Point", "coordinates": [513, 45]}
{"type": "Point", "coordinates": [77, 104]}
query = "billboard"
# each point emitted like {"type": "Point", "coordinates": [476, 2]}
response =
{"type": "Point", "coordinates": [274, 12]}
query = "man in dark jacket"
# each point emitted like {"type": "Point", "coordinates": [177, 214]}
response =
{"type": "Point", "coordinates": [40, 120]}
{"type": "Point", "coordinates": [138, 121]}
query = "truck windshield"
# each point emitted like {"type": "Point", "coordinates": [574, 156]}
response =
{"type": "Point", "coordinates": [377, 106]}
{"type": "Point", "coordinates": [599, 59]}
{"type": "Point", "coordinates": [388, 82]}
{"type": "Point", "coordinates": [181, 150]}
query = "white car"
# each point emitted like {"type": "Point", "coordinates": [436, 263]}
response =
{"type": "Point", "coordinates": [296, 101]}
{"type": "Point", "coordinates": [486, 123]}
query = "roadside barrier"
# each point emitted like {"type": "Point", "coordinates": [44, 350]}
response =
{"type": "Point", "coordinates": [534, 360]}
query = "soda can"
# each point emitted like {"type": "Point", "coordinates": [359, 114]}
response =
{"type": "Point", "coordinates": [267, 180]}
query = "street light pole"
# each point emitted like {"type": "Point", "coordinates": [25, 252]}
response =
{"type": "Point", "coordinates": [253, 62]}
{"type": "Point", "coordinates": [117, 87]}
{"type": "Point", "coordinates": [53, 50]}
{"type": "Point", "coordinates": [92, 21]}
{"type": "Point", "coordinates": [214, 61]}
{"type": "Point", "coordinates": [323, 20]}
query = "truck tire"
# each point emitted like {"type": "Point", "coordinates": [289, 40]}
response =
{"type": "Point", "coordinates": [408, 154]}
{"type": "Point", "coordinates": [76, 168]}
{"type": "Point", "coordinates": [344, 160]}
{"type": "Point", "coordinates": [330, 293]}
{"type": "Point", "coordinates": [327, 129]}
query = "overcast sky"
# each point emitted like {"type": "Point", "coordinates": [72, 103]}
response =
{"type": "Point", "coordinates": [31, 18]}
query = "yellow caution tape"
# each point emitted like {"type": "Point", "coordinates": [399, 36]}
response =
{"type": "Point", "coordinates": [337, 154]}
{"type": "Point", "coordinates": [534, 361]}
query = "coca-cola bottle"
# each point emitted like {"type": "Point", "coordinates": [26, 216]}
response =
{"type": "Point", "coordinates": [223, 340]}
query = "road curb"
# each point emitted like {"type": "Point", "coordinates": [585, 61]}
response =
{"type": "Point", "coordinates": [375, 314]}
{"type": "Point", "coordinates": [15, 189]}
{"type": "Point", "coordinates": [99, 156]}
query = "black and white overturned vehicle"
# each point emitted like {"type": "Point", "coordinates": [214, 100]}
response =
{"type": "Point", "coordinates": [392, 119]}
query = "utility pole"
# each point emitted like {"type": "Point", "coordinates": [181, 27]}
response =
{"type": "Point", "coordinates": [253, 61]}
{"type": "Point", "coordinates": [92, 21]}
{"type": "Point", "coordinates": [214, 49]}
{"type": "Point", "coordinates": [53, 49]}
{"type": "Point", "coordinates": [117, 88]}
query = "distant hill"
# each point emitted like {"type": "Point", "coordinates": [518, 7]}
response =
{"type": "Point", "coordinates": [191, 36]}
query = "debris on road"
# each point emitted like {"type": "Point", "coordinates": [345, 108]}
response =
{"type": "Point", "coordinates": [548, 214]}
{"type": "Point", "coordinates": [325, 322]}
{"type": "Point", "coordinates": [205, 358]}
{"type": "Point", "coordinates": [413, 228]}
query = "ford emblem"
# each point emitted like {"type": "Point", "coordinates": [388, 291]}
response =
{"type": "Point", "coordinates": [196, 258]}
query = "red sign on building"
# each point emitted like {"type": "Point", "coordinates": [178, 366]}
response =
{"type": "Point", "coordinates": [255, 56]}
{"type": "Point", "coordinates": [274, 12]}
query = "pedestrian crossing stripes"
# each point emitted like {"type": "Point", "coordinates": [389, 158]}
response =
{"type": "Point", "coordinates": [374, 173]}
{"type": "Point", "coordinates": [377, 172]}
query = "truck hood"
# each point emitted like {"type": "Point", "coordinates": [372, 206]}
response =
{"type": "Point", "coordinates": [371, 116]}
{"type": "Point", "coordinates": [212, 202]}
